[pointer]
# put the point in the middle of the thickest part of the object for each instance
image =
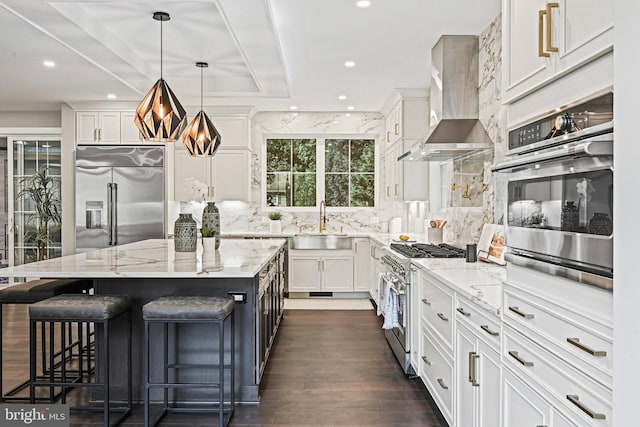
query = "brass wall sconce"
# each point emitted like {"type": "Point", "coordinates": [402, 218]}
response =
{"type": "Point", "coordinates": [463, 187]}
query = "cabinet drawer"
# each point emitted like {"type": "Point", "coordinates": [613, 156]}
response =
{"type": "Point", "coordinates": [588, 345]}
{"type": "Point", "coordinates": [437, 374]}
{"type": "Point", "coordinates": [437, 310]}
{"type": "Point", "coordinates": [574, 391]}
{"type": "Point", "coordinates": [486, 326]}
{"type": "Point", "coordinates": [522, 406]}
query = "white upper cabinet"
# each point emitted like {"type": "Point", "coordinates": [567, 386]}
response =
{"type": "Point", "coordinates": [544, 40]}
{"type": "Point", "coordinates": [106, 127]}
{"type": "Point", "coordinates": [129, 133]}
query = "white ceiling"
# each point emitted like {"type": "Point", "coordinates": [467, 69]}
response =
{"type": "Point", "coordinates": [264, 53]}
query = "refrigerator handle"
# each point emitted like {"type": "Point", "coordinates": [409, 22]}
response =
{"type": "Point", "coordinates": [115, 214]}
{"type": "Point", "coordinates": [110, 212]}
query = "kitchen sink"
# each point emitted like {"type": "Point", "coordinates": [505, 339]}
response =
{"type": "Point", "coordinates": [321, 241]}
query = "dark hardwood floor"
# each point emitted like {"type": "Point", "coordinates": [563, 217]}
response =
{"type": "Point", "coordinates": [327, 368]}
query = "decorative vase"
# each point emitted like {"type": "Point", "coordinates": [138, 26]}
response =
{"type": "Point", "coordinates": [209, 245]}
{"type": "Point", "coordinates": [569, 219]}
{"type": "Point", "coordinates": [185, 237]}
{"type": "Point", "coordinates": [275, 226]}
{"type": "Point", "coordinates": [601, 224]}
{"type": "Point", "coordinates": [211, 220]}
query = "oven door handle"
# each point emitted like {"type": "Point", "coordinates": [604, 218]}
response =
{"type": "Point", "coordinates": [595, 148]}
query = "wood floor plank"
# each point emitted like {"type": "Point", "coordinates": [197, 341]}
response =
{"type": "Point", "coordinates": [327, 368]}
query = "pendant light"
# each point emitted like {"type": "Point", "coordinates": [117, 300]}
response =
{"type": "Point", "coordinates": [201, 138]}
{"type": "Point", "coordinates": [160, 116]}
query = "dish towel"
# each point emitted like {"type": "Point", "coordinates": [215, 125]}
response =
{"type": "Point", "coordinates": [388, 305]}
{"type": "Point", "coordinates": [381, 293]}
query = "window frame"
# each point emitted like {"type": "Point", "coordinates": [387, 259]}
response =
{"type": "Point", "coordinates": [320, 171]}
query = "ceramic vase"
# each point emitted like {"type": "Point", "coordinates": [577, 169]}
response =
{"type": "Point", "coordinates": [209, 245]}
{"type": "Point", "coordinates": [211, 220]}
{"type": "Point", "coordinates": [275, 226]}
{"type": "Point", "coordinates": [185, 237]}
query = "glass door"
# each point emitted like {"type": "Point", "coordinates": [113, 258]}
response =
{"type": "Point", "coordinates": [34, 166]}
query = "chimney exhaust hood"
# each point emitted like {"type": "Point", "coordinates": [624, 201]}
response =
{"type": "Point", "coordinates": [455, 128]}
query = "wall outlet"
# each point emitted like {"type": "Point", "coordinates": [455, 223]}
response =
{"type": "Point", "coordinates": [374, 220]}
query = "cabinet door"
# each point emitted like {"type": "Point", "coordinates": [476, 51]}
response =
{"type": "Point", "coordinates": [397, 122]}
{"type": "Point", "coordinates": [582, 30]}
{"type": "Point", "coordinates": [235, 131]}
{"type": "Point", "coordinates": [389, 175]}
{"type": "Point", "coordinates": [109, 129]}
{"type": "Point", "coordinates": [362, 269]}
{"type": "Point", "coordinates": [523, 68]}
{"type": "Point", "coordinates": [337, 273]}
{"type": "Point", "coordinates": [397, 189]}
{"type": "Point", "coordinates": [188, 167]}
{"type": "Point", "coordinates": [467, 377]}
{"type": "Point", "coordinates": [488, 374]}
{"type": "Point", "coordinates": [521, 405]}
{"type": "Point", "coordinates": [129, 133]}
{"type": "Point", "coordinates": [304, 273]}
{"type": "Point", "coordinates": [86, 127]}
{"type": "Point", "coordinates": [230, 175]}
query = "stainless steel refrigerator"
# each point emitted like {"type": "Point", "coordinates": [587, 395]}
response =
{"type": "Point", "coordinates": [119, 195]}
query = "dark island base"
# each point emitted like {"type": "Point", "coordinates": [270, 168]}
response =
{"type": "Point", "coordinates": [197, 343]}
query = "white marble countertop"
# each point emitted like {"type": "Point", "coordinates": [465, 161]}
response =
{"type": "Point", "coordinates": [157, 258]}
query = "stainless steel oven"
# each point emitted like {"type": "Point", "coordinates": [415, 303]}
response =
{"type": "Point", "coordinates": [559, 208]}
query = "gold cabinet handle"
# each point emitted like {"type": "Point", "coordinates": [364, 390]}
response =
{"type": "Point", "coordinates": [425, 360]}
{"type": "Point", "coordinates": [517, 311]}
{"type": "Point", "coordinates": [443, 317]}
{"type": "Point", "coordinates": [461, 311]}
{"type": "Point", "coordinates": [576, 342]}
{"type": "Point", "coordinates": [388, 190]}
{"type": "Point", "coordinates": [396, 129]}
{"type": "Point", "coordinates": [95, 134]}
{"type": "Point", "coordinates": [550, 47]}
{"type": "Point", "coordinates": [396, 189]}
{"type": "Point", "coordinates": [516, 356]}
{"type": "Point", "coordinates": [473, 368]}
{"type": "Point", "coordinates": [388, 136]}
{"type": "Point", "coordinates": [541, 52]}
{"type": "Point", "coordinates": [573, 398]}
{"type": "Point", "coordinates": [442, 384]}
{"type": "Point", "coordinates": [489, 331]}
{"type": "Point", "coordinates": [426, 301]}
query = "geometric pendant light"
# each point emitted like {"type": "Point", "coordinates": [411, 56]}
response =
{"type": "Point", "coordinates": [201, 138]}
{"type": "Point", "coordinates": [160, 117]}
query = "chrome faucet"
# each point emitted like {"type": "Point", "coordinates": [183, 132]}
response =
{"type": "Point", "coordinates": [323, 216]}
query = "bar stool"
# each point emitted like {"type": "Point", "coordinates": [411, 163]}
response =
{"type": "Point", "coordinates": [101, 310]}
{"type": "Point", "coordinates": [177, 310]}
{"type": "Point", "coordinates": [31, 292]}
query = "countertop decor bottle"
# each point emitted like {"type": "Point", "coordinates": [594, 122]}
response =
{"type": "Point", "coordinates": [211, 217]}
{"type": "Point", "coordinates": [569, 220]}
{"type": "Point", "coordinates": [185, 234]}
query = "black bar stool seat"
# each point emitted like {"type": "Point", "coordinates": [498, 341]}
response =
{"type": "Point", "coordinates": [31, 292]}
{"type": "Point", "coordinates": [192, 309]}
{"type": "Point", "coordinates": [96, 309]}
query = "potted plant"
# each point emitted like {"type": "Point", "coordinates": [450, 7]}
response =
{"type": "Point", "coordinates": [44, 192]}
{"type": "Point", "coordinates": [275, 226]}
{"type": "Point", "coordinates": [208, 239]}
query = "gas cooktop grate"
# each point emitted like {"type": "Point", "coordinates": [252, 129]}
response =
{"type": "Point", "coordinates": [425, 250]}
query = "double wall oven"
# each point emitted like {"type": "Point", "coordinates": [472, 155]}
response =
{"type": "Point", "coordinates": [559, 213]}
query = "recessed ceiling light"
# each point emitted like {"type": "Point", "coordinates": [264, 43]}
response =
{"type": "Point", "coordinates": [363, 3]}
{"type": "Point", "coordinates": [48, 63]}
{"type": "Point", "coordinates": [350, 107]}
{"type": "Point", "coordinates": [335, 122]}
{"type": "Point", "coordinates": [349, 64]}
{"type": "Point", "coordinates": [342, 97]}
{"type": "Point", "coordinates": [293, 107]}
{"type": "Point", "coordinates": [111, 96]}
{"type": "Point", "coordinates": [347, 114]}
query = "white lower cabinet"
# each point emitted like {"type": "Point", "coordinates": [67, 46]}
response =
{"type": "Point", "coordinates": [362, 276]}
{"type": "Point", "coordinates": [377, 268]}
{"type": "Point", "coordinates": [477, 380]}
{"type": "Point", "coordinates": [320, 271]}
{"type": "Point", "coordinates": [522, 407]}
{"type": "Point", "coordinates": [437, 374]}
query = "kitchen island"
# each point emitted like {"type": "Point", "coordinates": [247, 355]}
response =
{"type": "Point", "coordinates": [151, 269]}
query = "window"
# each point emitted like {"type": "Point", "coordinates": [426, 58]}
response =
{"type": "Point", "coordinates": [301, 172]}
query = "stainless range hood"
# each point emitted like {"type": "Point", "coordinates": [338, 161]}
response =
{"type": "Point", "coordinates": [455, 129]}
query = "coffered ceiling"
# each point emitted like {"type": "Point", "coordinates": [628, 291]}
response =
{"type": "Point", "coordinates": [270, 54]}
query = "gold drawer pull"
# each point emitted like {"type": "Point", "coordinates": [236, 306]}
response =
{"type": "Point", "coordinates": [443, 317]}
{"type": "Point", "coordinates": [461, 311]}
{"type": "Point", "coordinates": [577, 343]}
{"type": "Point", "coordinates": [442, 384]}
{"type": "Point", "coordinates": [517, 311]}
{"type": "Point", "coordinates": [523, 362]}
{"type": "Point", "coordinates": [426, 301]}
{"type": "Point", "coordinates": [573, 398]}
{"type": "Point", "coordinates": [489, 331]}
{"type": "Point", "coordinates": [425, 360]}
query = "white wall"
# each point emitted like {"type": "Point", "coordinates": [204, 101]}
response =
{"type": "Point", "coordinates": [29, 119]}
{"type": "Point", "coordinates": [626, 295]}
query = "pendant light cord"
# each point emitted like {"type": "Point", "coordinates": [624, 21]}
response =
{"type": "Point", "coordinates": [161, 49]}
{"type": "Point", "coordinates": [201, 89]}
